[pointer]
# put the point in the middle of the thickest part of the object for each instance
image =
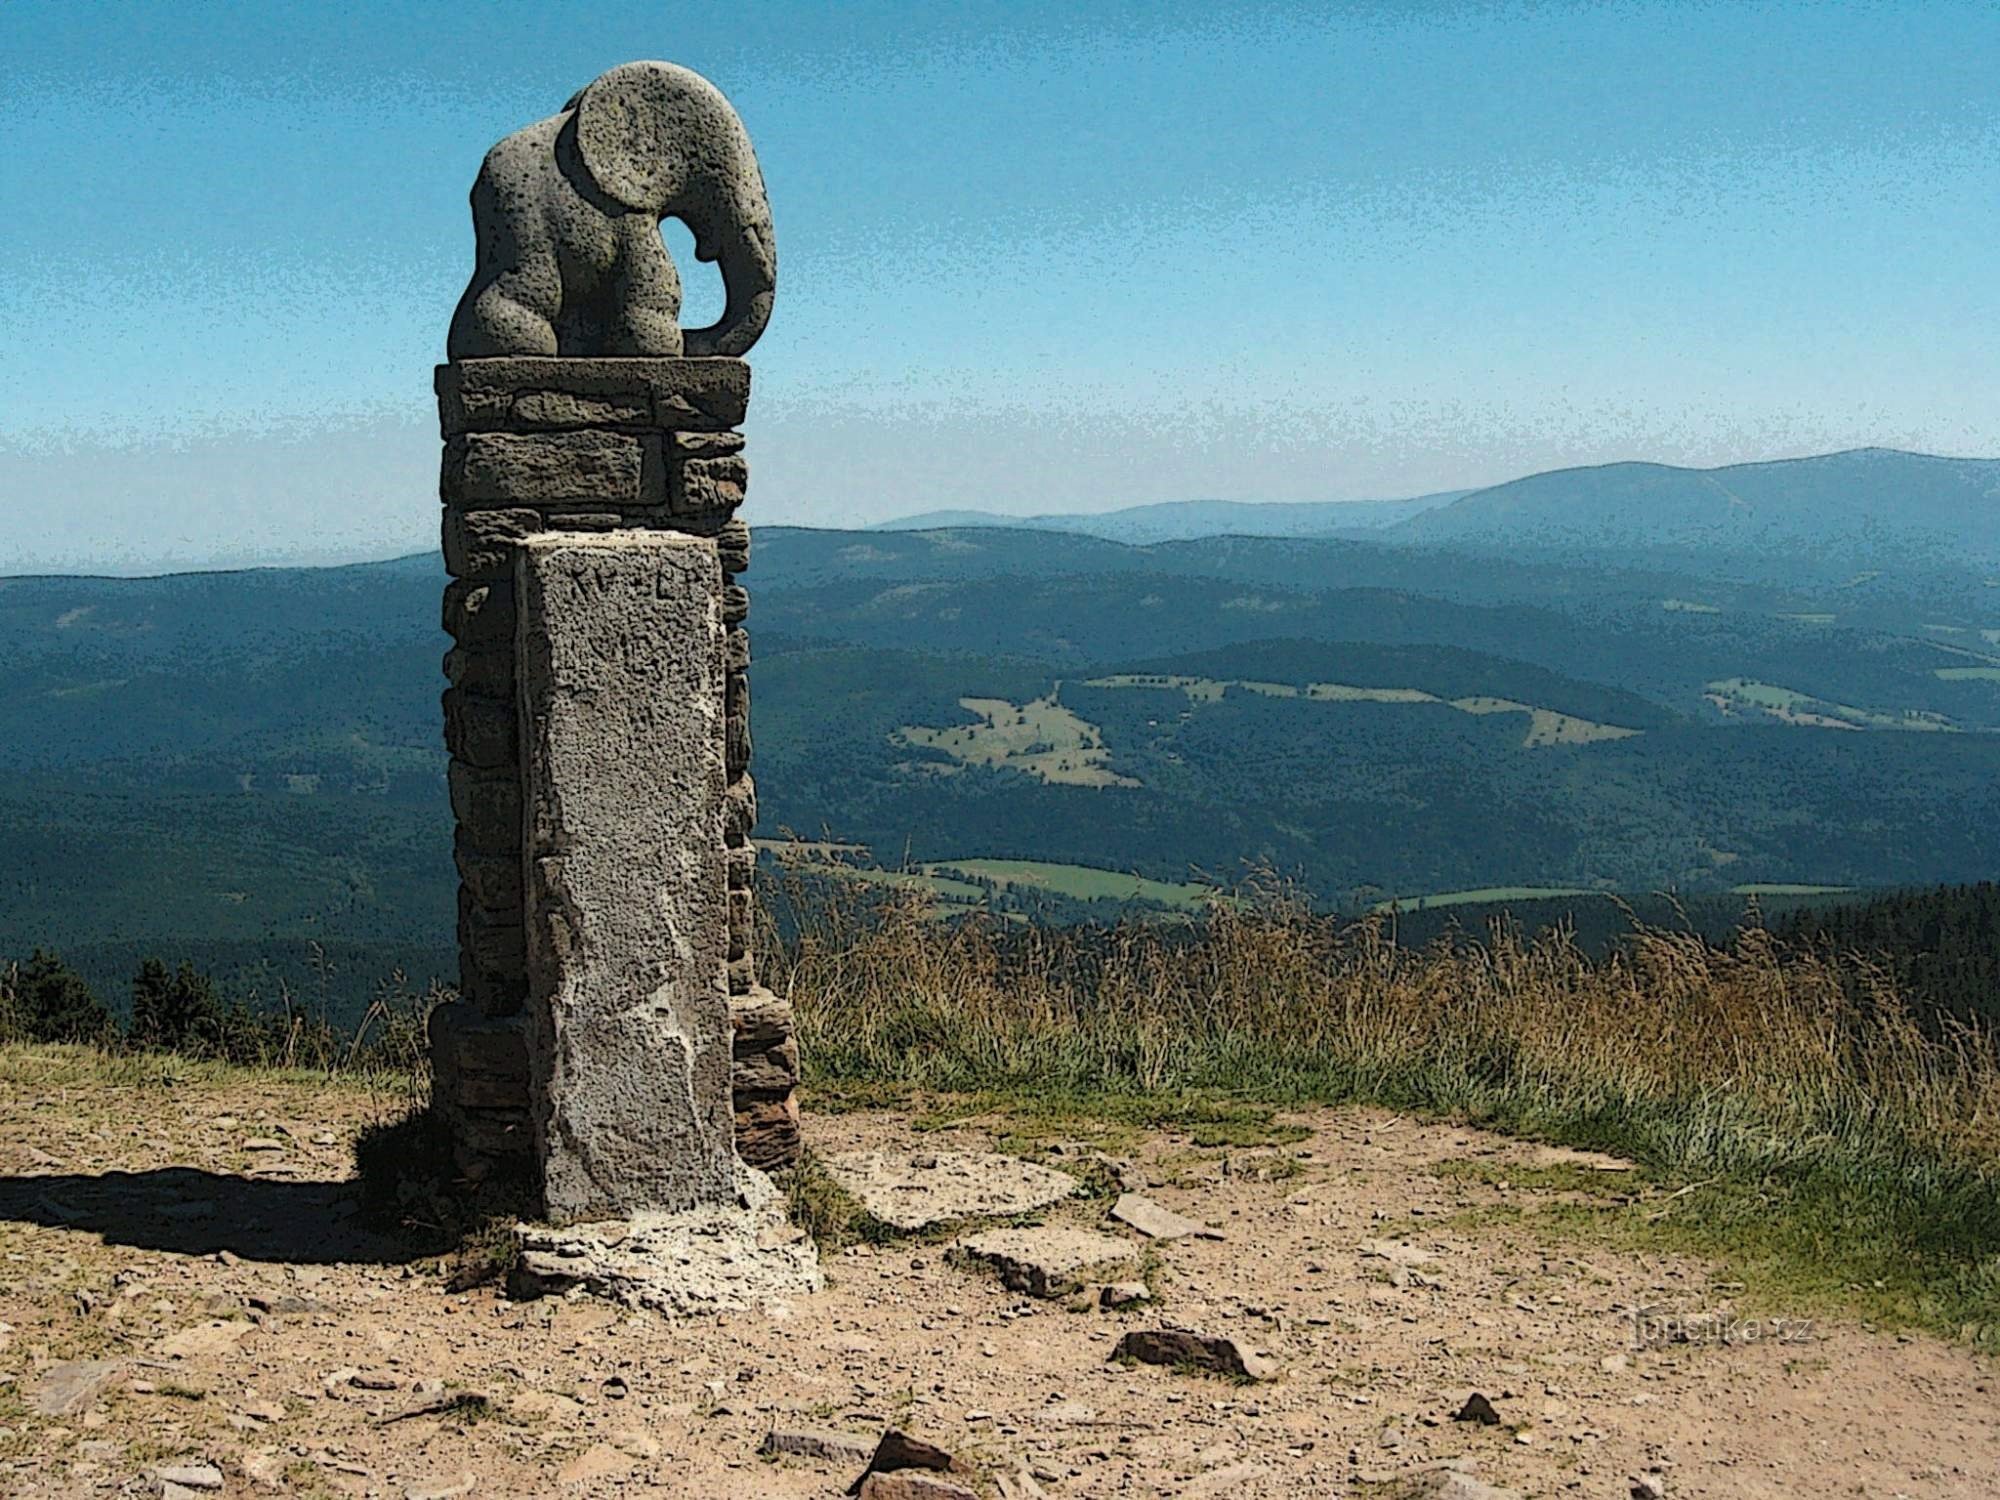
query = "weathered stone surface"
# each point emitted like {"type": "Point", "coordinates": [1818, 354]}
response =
{"type": "Point", "coordinates": [1158, 1223]}
{"type": "Point", "coordinates": [739, 811]}
{"type": "Point", "coordinates": [488, 674]}
{"type": "Point", "coordinates": [734, 542]}
{"type": "Point", "coordinates": [1180, 1347]}
{"type": "Point", "coordinates": [765, 1045]}
{"type": "Point", "coordinates": [526, 392]}
{"type": "Point", "coordinates": [1119, 1294]}
{"type": "Point", "coordinates": [479, 544]}
{"type": "Point", "coordinates": [564, 210]}
{"type": "Point", "coordinates": [480, 616]}
{"type": "Point", "coordinates": [730, 1256]}
{"type": "Point", "coordinates": [487, 805]}
{"type": "Point", "coordinates": [819, 1443]}
{"type": "Point", "coordinates": [735, 604]}
{"type": "Point", "coordinates": [1051, 1260]}
{"type": "Point", "coordinates": [489, 939]}
{"type": "Point", "coordinates": [899, 1453]}
{"type": "Point", "coordinates": [915, 1189]}
{"type": "Point", "coordinates": [767, 1130]}
{"type": "Point", "coordinates": [621, 683]}
{"type": "Point", "coordinates": [480, 1044]}
{"type": "Point", "coordinates": [520, 468]}
{"type": "Point", "coordinates": [706, 484]}
{"type": "Point", "coordinates": [1451, 1485]}
{"type": "Point", "coordinates": [479, 731]}
{"type": "Point", "coordinates": [704, 444]}
{"type": "Point", "coordinates": [74, 1386]}
{"type": "Point", "coordinates": [492, 880]}
{"type": "Point", "coordinates": [742, 866]}
{"type": "Point", "coordinates": [910, 1484]}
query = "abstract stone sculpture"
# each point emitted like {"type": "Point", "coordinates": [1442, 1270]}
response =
{"type": "Point", "coordinates": [567, 213]}
{"type": "Point", "coordinates": [610, 1042]}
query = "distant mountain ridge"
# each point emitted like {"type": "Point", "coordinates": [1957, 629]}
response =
{"type": "Point", "coordinates": [1188, 520]}
{"type": "Point", "coordinates": [1853, 504]}
{"type": "Point", "coordinates": [1847, 507]}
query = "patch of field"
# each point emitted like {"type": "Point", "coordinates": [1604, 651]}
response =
{"type": "Point", "coordinates": [1041, 738]}
{"type": "Point", "coordinates": [1967, 674]}
{"type": "Point", "coordinates": [1545, 725]}
{"type": "Point", "coordinates": [1859, 579]}
{"type": "Point", "coordinates": [1756, 888]}
{"type": "Point", "coordinates": [1688, 607]}
{"type": "Point", "coordinates": [1482, 897]}
{"type": "Point", "coordinates": [1809, 619]}
{"type": "Point", "coordinates": [1789, 706]}
{"type": "Point", "coordinates": [1947, 629]}
{"type": "Point", "coordinates": [1991, 637]}
{"type": "Point", "coordinates": [1079, 882]}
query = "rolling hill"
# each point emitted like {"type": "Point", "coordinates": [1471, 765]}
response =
{"type": "Point", "coordinates": [245, 767]}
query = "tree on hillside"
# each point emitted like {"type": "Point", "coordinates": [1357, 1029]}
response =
{"type": "Point", "coordinates": [177, 1012]}
{"type": "Point", "coordinates": [55, 1004]}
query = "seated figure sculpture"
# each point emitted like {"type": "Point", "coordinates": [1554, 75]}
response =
{"type": "Point", "coordinates": [567, 214]}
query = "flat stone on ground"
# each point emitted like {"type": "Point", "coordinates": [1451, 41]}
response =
{"type": "Point", "coordinates": [1179, 1347]}
{"type": "Point", "coordinates": [1047, 1261]}
{"type": "Point", "coordinates": [730, 1257]}
{"type": "Point", "coordinates": [910, 1190]}
{"type": "Point", "coordinates": [1158, 1223]}
{"type": "Point", "coordinates": [910, 1484]}
{"type": "Point", "coordinates": [817, 1442]}
{"type": "Point", "coordinates": [74, 1385]}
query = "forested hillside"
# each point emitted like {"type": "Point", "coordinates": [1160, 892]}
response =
{"type": "Point", "coordinates": [246, 767]}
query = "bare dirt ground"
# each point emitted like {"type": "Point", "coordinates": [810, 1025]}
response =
{"type": "Point", "coordinates": [203, 1239]}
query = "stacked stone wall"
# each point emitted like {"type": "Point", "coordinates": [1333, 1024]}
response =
{"type": "Point", "coordinates": [539, 446]}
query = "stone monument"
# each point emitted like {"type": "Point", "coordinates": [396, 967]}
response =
{"type": "Point", "coordinates": [610, 1042]}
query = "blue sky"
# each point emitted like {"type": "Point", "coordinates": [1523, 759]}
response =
{"type": "Point", "coordinates": [1032, 256]}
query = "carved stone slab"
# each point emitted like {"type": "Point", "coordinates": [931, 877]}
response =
{"type": "Point", "coordinates": [622, 653]}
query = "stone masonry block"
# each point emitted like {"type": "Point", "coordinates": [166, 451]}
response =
{"type": "Point", "coordinates": [735, 604]}
{"type": "Point", "coordinates": [487, 805]}
{"type": "Point", "coordinates": [706, 484]}
{"type": "Point", "coordinates": [484, 674]}
{"type": "Point", "coordinates": [739, 812]}
{"type": "Point", "coordinates": [519, 393]}
{"type": "Point", "coordinates": [493, 880]}
{"type": "Point", "coordinates": [479, 731]}
{"type": "Point", "coordinates": [734, 541]}
{"type": "Point", "coordinates": [484, 469]}
{"type": "Point", "coordinates": [621, 653]}
{"type": "Point", "coordinates": [480, 616]}
{"type": "Point", "coordinates": [479, 544]}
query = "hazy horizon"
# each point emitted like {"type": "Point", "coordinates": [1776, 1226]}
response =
{"type": "Point", "coordinates": [1256, 256]}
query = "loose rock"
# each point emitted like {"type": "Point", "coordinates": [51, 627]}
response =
{"type": "Point", "coordinates": [1046, 1261]}
{"type": "Point", "coordinates": [1477, 1409]}
{"type": "Point", "coordinates": [1158, 1223]}
{"type": "Point", "coordinates": [74, 1385]}
{"type": "Point", "coordinates": [1182, 1347]}
{"type": "Point", "coordinates": [911, 1190]}
{"type": "Point", "coordinates": [817, 1442]}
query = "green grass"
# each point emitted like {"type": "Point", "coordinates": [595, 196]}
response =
{"type": "Point", "coordinates": [1967, 674]}
{"type": "Point", "coordinates": [1080, 882]}
{"type": "Point", "coordinates": [1840, 1155]}
{"type": "Point", "coordinates": [1767, 889]}
{"type": "Point", "coordinates": [1484, 896]}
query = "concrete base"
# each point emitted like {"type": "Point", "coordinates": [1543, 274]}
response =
{"type": "Point", "coordinates": [709, 1259]}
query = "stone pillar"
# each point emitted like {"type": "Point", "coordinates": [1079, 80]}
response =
{"type": "Point", "coordinates": [556, 470]}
